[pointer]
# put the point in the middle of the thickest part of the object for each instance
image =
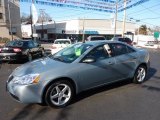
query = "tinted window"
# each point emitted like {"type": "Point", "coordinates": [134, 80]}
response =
{"type": "Point", "coordinates": [97, 38]}
{"type": "Point", "coordinates": [121, 39]}
{"type": "Point", "coordinates": [118, 49]}
{"type": "Point", "coordinates": [14, 44]}
{"type": "Point", "coordinates": [31, 44]}
{"type": "Point", "coordinates": [128, 40]}
{"type": "Point", "coordinates": [99, 53]}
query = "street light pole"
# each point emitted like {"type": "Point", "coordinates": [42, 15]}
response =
{"type": "Point", "coordinates": [115, 20]}
{"type": "Point", "coordinates": [124, 18]}
{"type": "Point", "coordinates": [83, 30]}
{"type": "Point", "coordinates": [10, 22]}
{"type": "Point", "coordinates": [42, 17]}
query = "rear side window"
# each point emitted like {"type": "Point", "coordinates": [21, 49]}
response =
{"type": "Point", "coordinates": [120, 49]}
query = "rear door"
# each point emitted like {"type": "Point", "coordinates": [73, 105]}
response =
{"type": "Point", "coordinates": [126, 59]}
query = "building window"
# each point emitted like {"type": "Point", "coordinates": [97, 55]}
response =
{"type": "Point", "coordinates": [1, 16]}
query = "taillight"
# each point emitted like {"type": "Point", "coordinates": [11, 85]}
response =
{"type": "Point", "coordinates": [17, 50]}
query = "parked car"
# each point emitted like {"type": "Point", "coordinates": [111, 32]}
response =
{"type": "Point", "coordinates": [82, 66]}
{"type": "Point", "coordinates": [123, 39]}
{"type": "Point", "coordinates": [95, 38]}
{"type": "Point", "coordinates": [20, 50]}
{"type": "Point", "coordinates": [59, 44]}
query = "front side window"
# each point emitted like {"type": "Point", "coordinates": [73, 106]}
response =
{"type": "Point", "coordinates": [99, 53]}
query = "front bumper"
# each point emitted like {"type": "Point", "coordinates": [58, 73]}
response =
{"type": "Point", "coordinates": [24, 93]}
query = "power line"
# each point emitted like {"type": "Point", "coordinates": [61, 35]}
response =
{"type": "Point", "coordinates": [143, 10]}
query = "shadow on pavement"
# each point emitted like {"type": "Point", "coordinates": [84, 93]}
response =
{"type": "Point", "coordinates": [151, 73]}
{"type": "Point", "coordinates": [94, 91]}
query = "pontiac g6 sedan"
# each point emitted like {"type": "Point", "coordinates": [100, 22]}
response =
{"type": "Point", "coordinates": [57, 78]}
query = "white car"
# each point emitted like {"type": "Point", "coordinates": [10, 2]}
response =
{"type": "Point", "coordinates": [59, 44]}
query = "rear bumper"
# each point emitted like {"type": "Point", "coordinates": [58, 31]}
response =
{"type": "Point", "coordinates": [11, 56]}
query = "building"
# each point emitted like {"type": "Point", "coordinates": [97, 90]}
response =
{"type": "Point", "coordinates": [10, 23]}
{"type": "Point", "coordinates": [73, 29]}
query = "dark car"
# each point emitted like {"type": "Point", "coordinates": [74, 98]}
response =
{"type": "Point", "coordinates": [20, 50]}
{"type": "Point", "coordinates": [95, 38]}
{"type": "Point", "coordinates": [123, 39]}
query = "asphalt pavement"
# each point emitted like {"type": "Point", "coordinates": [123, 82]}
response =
{"type": "Point", "coordinates": [119, 101]}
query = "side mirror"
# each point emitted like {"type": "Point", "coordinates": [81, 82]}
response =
{"type": "Point", "coordinates": [89, 60]}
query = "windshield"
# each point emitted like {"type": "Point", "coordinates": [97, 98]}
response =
{"type": "Point", "coordinates": [71, 53]}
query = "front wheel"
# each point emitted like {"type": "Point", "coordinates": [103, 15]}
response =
{"type": "Point", "coordinates": [59, 94]}
{"type": "Point", "coordinates": [140, 74]}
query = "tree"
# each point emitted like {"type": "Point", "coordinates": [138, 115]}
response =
{"type": "Point", "coordinates": [25, 18]}
{"type": "Point", "coordinates": [43, 16]}
{"type": "Point", "coordinates": [143, 29]}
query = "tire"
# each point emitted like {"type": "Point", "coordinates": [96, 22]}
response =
{"type": "Point", "coordinates": [30, 58]}
{"type": "Point", "coordinates": [140, 74]}
{"type": "Point", "coordinates": [59, 94]}
{"type": "Point", "coordinates": [42, 53]}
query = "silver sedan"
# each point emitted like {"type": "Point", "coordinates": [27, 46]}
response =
{"type": "Point", "coordinates": [57, 78]}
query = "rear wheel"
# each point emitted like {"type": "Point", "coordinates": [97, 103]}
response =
{"type": "Point", "coordinates": [140, 74]}
{"type": "Point", "coordinates": [42, 53]}
{"type": "Point", "coordinates": [59, 94]}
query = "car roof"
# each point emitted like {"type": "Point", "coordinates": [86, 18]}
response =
{"type": "Point", "coordinates": [99, 42]}
{"type": "Point", "coordinates": [62, 39]}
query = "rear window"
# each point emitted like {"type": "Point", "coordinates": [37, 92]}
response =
{"type": "Point", "coordinates": [14, 44]}
{"type": "Point", "coordinates": [97, 38]}
{"type": "Point", "coordinates": [62, 42]}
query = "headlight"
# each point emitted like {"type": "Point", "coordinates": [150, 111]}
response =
{"type": "Point", "coordinates": [27, 79]}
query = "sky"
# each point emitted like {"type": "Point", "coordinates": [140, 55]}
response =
{"type": "Point", "coordinates": [148, 13]}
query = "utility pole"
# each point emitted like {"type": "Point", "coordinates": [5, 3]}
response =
{"type": "Point", "coordinates": [83, 40]}
{"type": "Point", "coordinates": [124, 18]}
{"type": "Point", "coordinates": [115, 20]}
{"type": "Point", "coordinates": [10, 21]}
{"type": "Point", "coordinates": [31, 17]}
{"type": "Point", "coordinates": [42, 18]}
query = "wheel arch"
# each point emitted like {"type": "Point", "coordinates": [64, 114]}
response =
{"type": "Point", "coordinates": [55, 80]}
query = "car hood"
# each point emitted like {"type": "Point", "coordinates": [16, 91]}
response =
{"type": "Point", "coordinates": [38, 66]}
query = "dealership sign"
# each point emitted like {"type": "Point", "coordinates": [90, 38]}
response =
{"type": "Point", "coordinates": [96, 5]}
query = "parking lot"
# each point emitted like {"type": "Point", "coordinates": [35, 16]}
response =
{"type": "Point", "coordinates": [119, 101]}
